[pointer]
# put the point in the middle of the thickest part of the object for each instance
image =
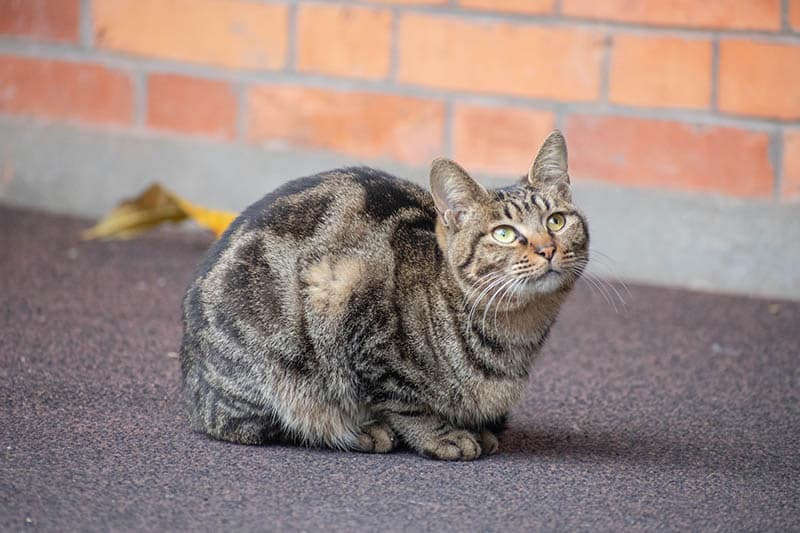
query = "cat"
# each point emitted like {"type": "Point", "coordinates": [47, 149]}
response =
{"type": "Point", "coordinates": [355, 310]}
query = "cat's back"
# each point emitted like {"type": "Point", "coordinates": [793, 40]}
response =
{"type": "Point", "coordinates": [305, 207]}
{"type": "Point", "coordinates": [356, 215]}
{"type": "Point", "coordinates": [344, 208]}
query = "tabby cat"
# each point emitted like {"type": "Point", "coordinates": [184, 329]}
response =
{"type": "Point", "coordinates": [355, 310]}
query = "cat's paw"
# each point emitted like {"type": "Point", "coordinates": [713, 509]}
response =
{"type": "Point", "coordinates": [489, 442]}
{"type": "Point", "coordinates": [455, 445]}
{"type": "Point", "coordinates": [376, 438]}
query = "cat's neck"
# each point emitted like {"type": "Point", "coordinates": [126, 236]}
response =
{"type": "Point", "coordinates": [529, 318]}
{"type": "Point", "coordinates": [513, 318]}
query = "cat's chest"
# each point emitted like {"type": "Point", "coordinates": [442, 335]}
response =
{"type": "Point", "coordinates": [489, 399]}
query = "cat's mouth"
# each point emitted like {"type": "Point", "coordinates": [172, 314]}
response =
{"type": "Point", "coordinates": [550, 272]}
{"type": "Point", "coordinates": [547, 281]}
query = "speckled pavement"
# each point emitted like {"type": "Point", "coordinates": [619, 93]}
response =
{"type": "Point", "coordinates": [681, 411]}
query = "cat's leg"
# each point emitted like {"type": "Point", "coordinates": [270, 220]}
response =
{"type": "Point", "coordinates": [433, 437]}
{"type": "Point", "coordinates": [489, 434]}
{"type": "Point", "coordinates": [247, 430]}
{"type": "Point", "coordinates": [488, 442]}
{"type": "Point", "coordinates": [234, 420]}
{"type": "Point", "coordinates": [376, 437]}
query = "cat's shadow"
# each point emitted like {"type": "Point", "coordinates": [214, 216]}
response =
{"type": "Point", "coordinates": [636, 449]}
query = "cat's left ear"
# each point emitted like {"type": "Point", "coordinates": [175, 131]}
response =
{"type": "Point", "coordinates": [454, 191]}
{"type": "Point", "coordinates": [549, 169]}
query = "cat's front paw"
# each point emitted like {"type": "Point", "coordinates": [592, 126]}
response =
{"type": "Point", "coordinates": [455, 445]}
{"type": "Point", "coordinates": [376, 438]}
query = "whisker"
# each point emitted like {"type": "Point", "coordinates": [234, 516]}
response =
{"type": "Point", "coordinates": [485, 291]}
{"type": "Point", "coordinates": [521, 282]}
{"type": "Point", "coordinates": [603, 286]}
{"type": "Point", "coordinates": [610, 266]}
{"type": "Point", "coordinates": [510, 292]}
{"type": "Point", "coordinates": [611, 287]}
{"type": "Point", "coordinates": [489, 305]}
{"type": "Point", "coordinates": [502, 290]}
{"type": "Point", "coordinates": [480, 283]}
{"type": "Point", "coordinates": [500, 301]}
{"type": "Point", "coordinates": [614, 288]}
{"type": "Point", "coordinates": [595, 283]}
{"type": "Point", "coordinates": [597, 288]}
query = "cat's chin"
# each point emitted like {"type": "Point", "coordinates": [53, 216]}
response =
{"type": "Point", "coordinates": [549, 282]}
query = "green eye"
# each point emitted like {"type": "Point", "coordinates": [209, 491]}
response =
{"type": "Point", "coordinates": [504, 234]}
{"type": "Point", "coordinates": [556, 221]}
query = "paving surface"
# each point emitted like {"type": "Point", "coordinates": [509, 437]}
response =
{"type": "Point", "coordinates": [679, 412]}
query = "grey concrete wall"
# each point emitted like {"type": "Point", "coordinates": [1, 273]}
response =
{"type": "Point", "coordinates": [695, 241]}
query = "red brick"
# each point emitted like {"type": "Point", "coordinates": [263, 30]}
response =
{"type": "Point", "coordinates": [500, 57]}
{"type": "Point", "coordinates": [790, 187]}
{"type": "Point", "coordinates": [331, 40]}
{"type": "Point", "coordinates": [794, 14]}
{"type": "Point", "coordinates": [511, 6]}
{"type": "Point", "coordinates": [191, 105]}
{"type": "Point", "coordinates": [500, 140]}
{"type": "Point", "coordinates": [679, 77]}
{"type": "Point", "coordinates": [62, 90]}
{"type": "Point", "coordinates": [725, 14]}
{"type": "Point", "coordinates": [356, 123]}
{"type": "Point", "coordinates": [759, 79]}
{"type": "Point", "coordinates": [671, 155]}
{"type": "Point", "coordinates": [46, 20]}
{"type": "Point", "coordinates": [228, 33]}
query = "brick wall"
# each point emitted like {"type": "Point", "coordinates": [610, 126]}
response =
{"type": "Point", "coordinates": [679, 94]}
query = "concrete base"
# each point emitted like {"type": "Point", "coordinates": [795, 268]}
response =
{"type": "Point", "coordinates": [659, 237]}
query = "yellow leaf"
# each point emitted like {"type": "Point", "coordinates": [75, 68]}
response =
{"type": "Point", "coordinates": [216, 221]}
{"type": "Point", "coordinates": [155, 206]}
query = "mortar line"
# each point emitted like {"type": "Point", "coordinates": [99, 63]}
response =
{"type": "Point", "coordinates": [86, 25]}
{"type": "Point", "coordinates": [447, 145]}
{"type": "Point", "coordinates": [291, 45]}
{"type": "Point", "coordinates": [141, 98]}
{"type": "Point", "coordinates": [394, 47]}
{"type": "Point", "coordinates": [776, 158]}
{"type": "Point", "coordinates": [560, 118]}
{"type": "Point", "coordinates": [242, 110]}
{"type": "Point", "coordinates": [605, 67]}
{"type": "Point", "coordinates": [785, 26]}
{"type": "Point", "coordinates": [714, 96]}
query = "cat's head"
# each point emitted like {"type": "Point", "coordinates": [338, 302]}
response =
{"type": "Point", "coordinates": [526, 239]}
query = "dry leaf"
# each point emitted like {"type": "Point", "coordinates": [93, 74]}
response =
{"type": "Point", "coordinates": [216, 221]}
{"type": "Point", "coordinates": [155, 206]}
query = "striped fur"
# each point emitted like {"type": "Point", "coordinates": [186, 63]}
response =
{"type": "Point", "coordinates": [341, 310]}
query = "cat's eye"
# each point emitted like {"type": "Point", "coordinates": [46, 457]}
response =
{"type": "Point", "coordinates": [556, 221]}
{"type": "Point", "coordinates": [504, 234]}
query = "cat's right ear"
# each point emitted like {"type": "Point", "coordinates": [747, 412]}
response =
{"type": "Point", "coordinates": [454, 191]}
{"type": "Point", "coordinates": [549, 169]}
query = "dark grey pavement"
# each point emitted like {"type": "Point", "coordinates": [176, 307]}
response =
{"type": "Point", "coordinates": [680, 412]}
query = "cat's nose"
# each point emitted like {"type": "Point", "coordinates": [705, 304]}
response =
{"type": "Point", "coordinates": [546, 251]}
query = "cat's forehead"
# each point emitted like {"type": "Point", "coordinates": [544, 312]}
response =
{"type": "Point", "coordinates": [521, 200]}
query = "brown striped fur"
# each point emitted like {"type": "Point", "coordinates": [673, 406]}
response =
{"type": "Point", "coordinates": [355, 310]}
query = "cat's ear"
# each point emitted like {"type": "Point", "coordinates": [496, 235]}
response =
{"type": "Point", "coordinates": [453, 191]}
{"type": "Point", "coordinates": [549, 169]}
